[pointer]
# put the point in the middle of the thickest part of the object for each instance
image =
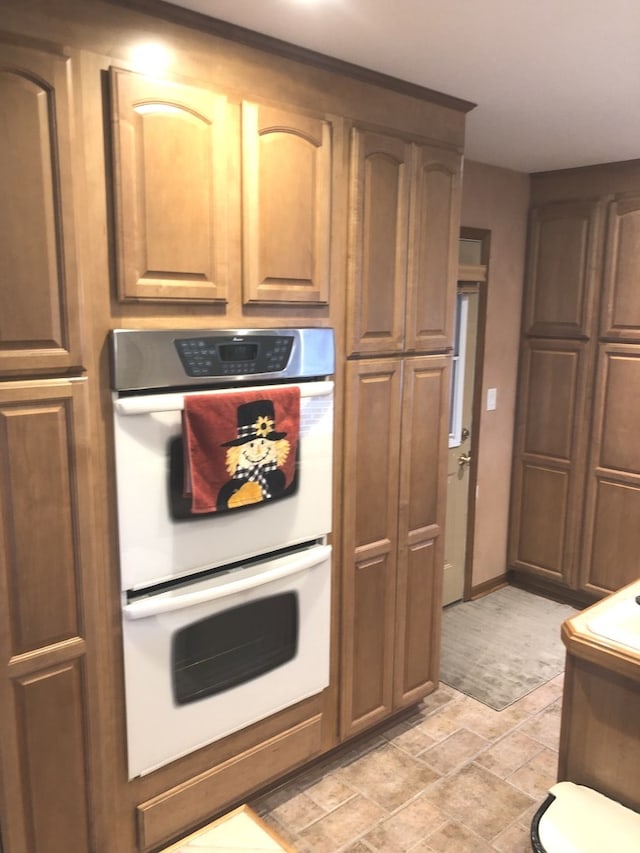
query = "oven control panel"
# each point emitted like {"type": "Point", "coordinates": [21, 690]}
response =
{"type": "Point", "coordinates": [240, 356]}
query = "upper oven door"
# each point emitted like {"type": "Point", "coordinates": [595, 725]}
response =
{"type": "Point", "coordinates": [160, 541]}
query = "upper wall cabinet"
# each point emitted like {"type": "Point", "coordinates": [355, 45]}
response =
{"type": "Point", "coordinates": [403, 228]}
{"type": "Point", "coordinates": [378, 239]}
{"type": "Point", "coordinates": [561, 270]}
{"type": "Point", "coordinates": [433, 249]}
{"type": "Point", "coordinates": [39, 300]}
{"type": "Point", "coordinates": [286, 206]}
{"type": "Point", "coordinates": [170, 158]}
{"type": "Point", "coordinates": [621, 297]}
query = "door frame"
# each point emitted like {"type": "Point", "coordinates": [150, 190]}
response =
{"type": "Point", "coordinates": [481, 275]}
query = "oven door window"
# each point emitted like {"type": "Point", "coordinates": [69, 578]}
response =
{"type": "Point", "coordinates": [233, 647]}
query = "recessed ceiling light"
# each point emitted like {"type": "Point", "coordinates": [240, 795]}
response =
{"type": "Point", "coordinates": [150, 57]}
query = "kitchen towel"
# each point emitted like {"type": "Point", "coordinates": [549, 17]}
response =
{"type": "Point", "coordinates": [240, 447]}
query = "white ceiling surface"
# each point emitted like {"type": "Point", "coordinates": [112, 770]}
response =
{"type": "Point", "coordinates": [557, 82]}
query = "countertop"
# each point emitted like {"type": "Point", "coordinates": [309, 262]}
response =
{"type": "Point", "coordinates": [582, 642]}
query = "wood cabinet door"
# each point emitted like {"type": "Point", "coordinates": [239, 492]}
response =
{"type": "Point", "coordinates": [433, 249]}
{"type": "Point", "coordinates": [371, 474]}
{"type": "Point", "coordinates": [611, 528]}
{"type": "Point", "coordinates": [170, 187]}
{"type": "Point", "coordinates": [621, 294]}
{"type": "Point", "coordinates": [550, 451]}
{"type": "Point", "coordinates": [44, 761]}
{"type": "Point", "coordinates": [422, 500]}
{"type": "Point", "coordinates": [381, 168]}
{"type": "Point", "coordinates": [39, 299]}
{"type": "Point", "coordinates": [286, 206]}
{"type": "Point", "coordinates": [563, 266]}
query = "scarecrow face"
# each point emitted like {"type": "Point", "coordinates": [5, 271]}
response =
{"type": "Point", "coordinates": [258, 451]}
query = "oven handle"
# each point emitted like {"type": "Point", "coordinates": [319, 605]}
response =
{"type": "Point", "coordinates": [147, 405]}
{"type": "Point", "coordinates": [151, 606]}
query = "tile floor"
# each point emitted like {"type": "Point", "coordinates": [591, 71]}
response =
{"type": "Point", "coordinates": [455, 776]}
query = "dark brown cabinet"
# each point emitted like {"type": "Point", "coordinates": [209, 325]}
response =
{"type": "Point", "coordinates": [576, 475]}
{"type": "Point", "coordinates": [620, 318]}
{"type": "Point", "coordinates": [611, 530]}
{"type": "Point", "coordinates": [549, 463]}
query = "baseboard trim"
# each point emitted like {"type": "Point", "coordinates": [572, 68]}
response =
{"type": "Point", "coordinates": [574, 597]}
{"type": "Point", "coordinates": [484, 588]}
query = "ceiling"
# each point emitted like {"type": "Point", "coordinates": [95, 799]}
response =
{"type": "Point", "coordinates": [557, 82]}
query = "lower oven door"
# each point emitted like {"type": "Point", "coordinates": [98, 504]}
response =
{"type": "Point", "coordinates": [210, 657]}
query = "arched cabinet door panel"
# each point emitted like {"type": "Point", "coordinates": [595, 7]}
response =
{"type": "Point", "coordinates": [170, 190]}
{"type": "Point", "coordinates": [378, 240]}
{"type": "Point", "coordinates": [433, 249]}
{"type": "Point", "coordinates": [562, 268]}
{"type": "Point", "coordinates": [39, 325]}
{"type": "Point", "coordinates": [621, 298]}
{"type": "Point", "coordinates": [286, 205]}
{"type": "Point", "coordinates": [403, 243]}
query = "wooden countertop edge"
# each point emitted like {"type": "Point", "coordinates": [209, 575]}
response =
{"type": "Point", "coordinates": [608, 654]}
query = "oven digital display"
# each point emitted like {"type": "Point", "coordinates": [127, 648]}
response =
{"type": "Point", "coordinates": [238, 352]}
{"type": "Point", "coordinates": [217, 357]}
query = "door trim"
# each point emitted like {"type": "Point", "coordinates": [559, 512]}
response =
{"type": "Point", "coordinates": [484, 236]}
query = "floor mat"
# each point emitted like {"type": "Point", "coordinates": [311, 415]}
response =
{"type": "Point", "coordinates": [502, 646]}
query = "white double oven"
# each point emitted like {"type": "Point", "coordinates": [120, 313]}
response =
{"type": "Point", "coordinates": [225, 615]}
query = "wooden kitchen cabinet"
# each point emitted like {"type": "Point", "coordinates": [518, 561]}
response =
{"type": "Point", "coordinates": [39, 299]}
{"type": "Point", "coordinates": [173, 176]}
{"type": "Point", "coordinates": [620, 318]}
{"type": "Point", "coordinates": [611, 531]}
{"type": "Point", "coordinates": [599, 745]}
{"type": "Point", "coordinates": [46, 760]}
{"type": "Point", "coordinates": [576, 474]}
{"type": "Point", "coordinates": [286, 205]}
{"type": "Point", "coordinates": [550, 447]}
{"type": "Point", "coordinates": [403, 231]}
{"type": "Point", "coordinates": [392, 535]}
{"type": "Point", "coordinates": [170, 186]}
{"type": "Point", "coordinates": [562, 269]}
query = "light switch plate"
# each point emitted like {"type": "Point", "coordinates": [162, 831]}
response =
{"type": "Point", "coordinates": [492, 394]}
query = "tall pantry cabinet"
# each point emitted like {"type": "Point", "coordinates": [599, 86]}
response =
{"type": "Point", "coordinates": [45, 757]}
{"type": "Point", "coordinates": [576, 480]}
{"type": "Point", "coordinates": [403, 230]}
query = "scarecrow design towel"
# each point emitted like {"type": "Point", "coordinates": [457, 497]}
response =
{"type": "Point", "coordinates": [240, 448]}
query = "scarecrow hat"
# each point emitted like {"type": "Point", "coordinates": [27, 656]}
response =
{"type": "Point", "coordinates": [255, 420]}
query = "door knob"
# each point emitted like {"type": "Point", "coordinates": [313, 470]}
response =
{"type": "Point", "coordinates": [464, 459]}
